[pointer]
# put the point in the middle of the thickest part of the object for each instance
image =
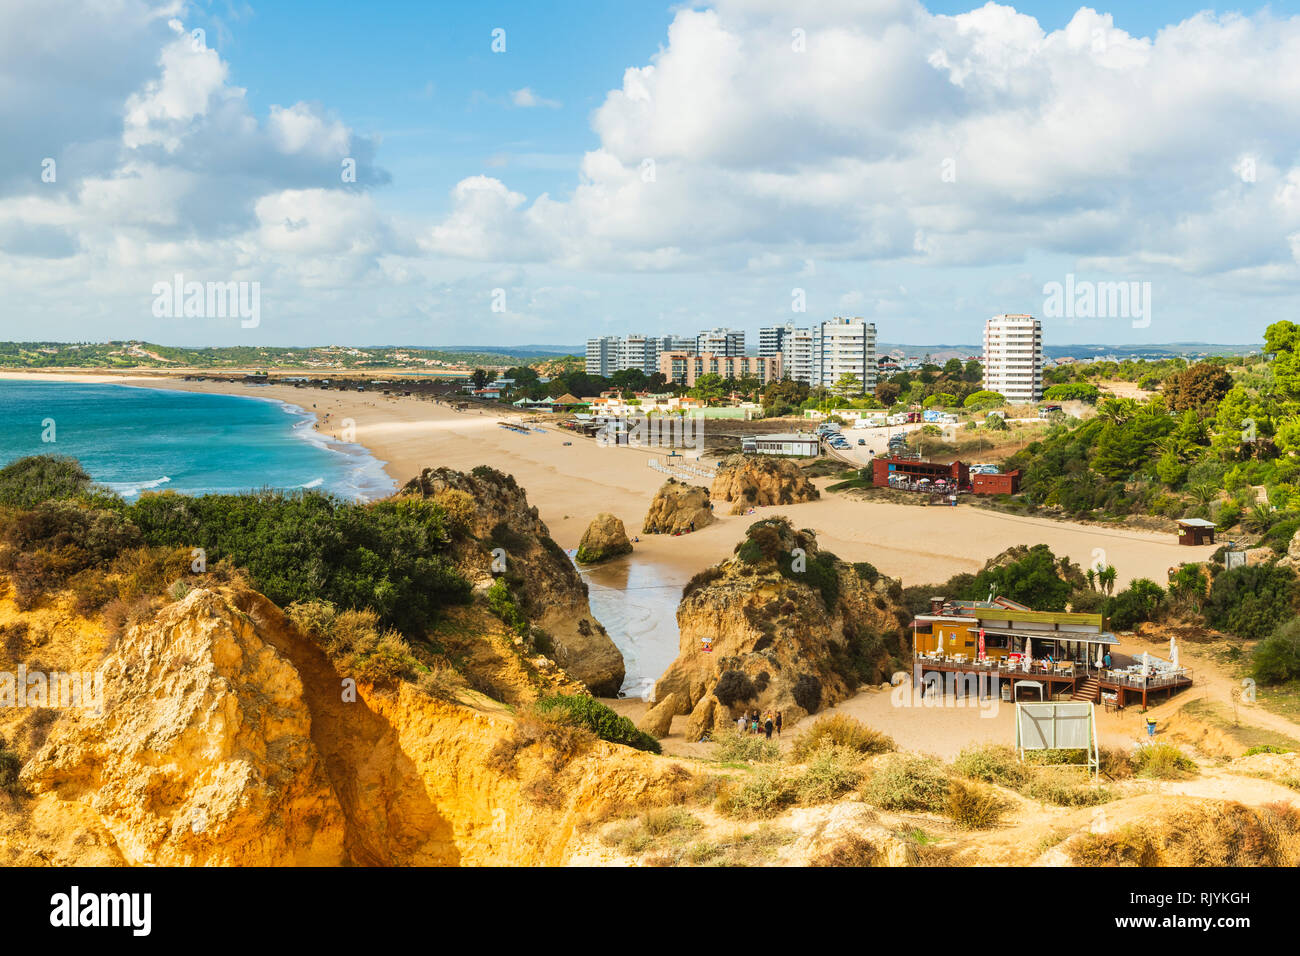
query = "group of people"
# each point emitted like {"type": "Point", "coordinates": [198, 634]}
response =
{"type": "Point", "coordinates": [752, 723]}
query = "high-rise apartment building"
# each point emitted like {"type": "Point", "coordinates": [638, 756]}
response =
{"type": "Point", "coordinates": [720, 342]}
{"type": "Point", "coordinates": [1013, 357]}
{"type": "Point", "coordinates": [602, 355]}
{"type": "Point", "coordinates": [845, 346]}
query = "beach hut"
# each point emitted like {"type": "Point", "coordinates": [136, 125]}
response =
{"type": "Point", "coordinates": [1195, 531]}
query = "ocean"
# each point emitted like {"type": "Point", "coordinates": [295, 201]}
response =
{"type": "Point", "coordinates": [140, 439]}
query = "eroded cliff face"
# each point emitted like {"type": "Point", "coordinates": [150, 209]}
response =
{"type": "Point", "coordinates": [782, 626]}
{"type": "Point", "coordinates": [506, 537]}
{"type": "Point", "coordinates": [227, 738]}
{"type": "Point", "coordinates": [761, 480]}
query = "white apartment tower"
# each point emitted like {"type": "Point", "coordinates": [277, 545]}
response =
{"type": "Point", "coordinates": [1013, 357]}
{"type": "Point", "coordinates": [602, 355]}
{"type": "Point", "coordinates": [720, 342]}
{"type": "Point", "coordinates": [845, 346]}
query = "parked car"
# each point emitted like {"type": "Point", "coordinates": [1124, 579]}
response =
{"type": "Point", "coordinates": [862, 441]}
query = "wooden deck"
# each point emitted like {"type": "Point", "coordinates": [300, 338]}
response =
{"type": "Point", "coordinates": [1126, 689]}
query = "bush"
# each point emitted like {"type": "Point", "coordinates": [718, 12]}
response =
{"type": "Point", "coordinates": [992, 763]}
{"type": "Point", "coordinates": [734, 687]}
{"type": "Point", "coordinates": [593, 715]}
{"type": "Point", "coordinates": [765, 794]}
{"type": "Point", "coordinates": [851, 850]}
{"type": "Point", "coordinates": [502, 603]}
{"type": "Point", "coordinates": [1277, 658]}
{"type": "Point", "coordinates": [830, 774]}
{"type": "Point", "coordinates": [701, 579]}
{"type": "Point", "coordinates": [389, 556]}
{"type": "Point", "coordinates": [9, 767]}
{"type": "Point", "coordinates": [1139, 602]}
{"type": "Point", "coordinates": [1252, 601]}
{"type": "Point", "coordinates": [838, 730]}
{"type": "Point", "coordinates": [746, 748]}
{"type": "Point", "coordinates": [973, 807]}
{"type": "Point", "coordinates": [807, 693]}
{"type": "Point", "coordinates": [27, 482]}
{"type": "Point", "coordinates": [1065, 788]}
{"type": "Point", "coordinates": [1162, 762]}
{"type": "Point", "coordinates": [907, 782]}
{"type": "Point", "coordinates": [459, 508]}
{"type": "Point", "coordinates": [867, 572]}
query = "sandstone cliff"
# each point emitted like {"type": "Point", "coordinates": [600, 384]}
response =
{"type": "Point", "coordinates": [503, 535]}
{"type": "Point", "coordinates": [677, 508]}
{"type": "Point", "coordinates": [604, 538]}
{"type": "Point", "coordinates": [228, 738]}
{"type": "Point", "coordinates": [788, 627]}
{"type": "Point", "coordinates": [761, 480]}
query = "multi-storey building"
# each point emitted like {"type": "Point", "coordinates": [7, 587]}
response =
{"type": "Point", "coordinates": [602, 355]}
{"type": "Point", "coordinates": [720, 342]}
{"type": "Point", "coordinates": [846, 346]}
{"type": "Point", "coordinates": [1013, 357]}
{"type": "Point", "coordinates": [684, 368]}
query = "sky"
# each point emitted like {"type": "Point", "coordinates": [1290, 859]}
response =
{"type": "Point", "coordinates": [520, 173]}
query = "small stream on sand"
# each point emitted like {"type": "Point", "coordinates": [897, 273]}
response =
{"type": "Point", "coordinates": [636, 601]}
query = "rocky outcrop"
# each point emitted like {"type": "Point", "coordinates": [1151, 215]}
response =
{"type": "Point", "coordinates": [677, 508]}
{"type": "Point", "coordinates": [1292, 557]}
{"type": "Point", "coordinates": [658, 720]}
{"type": "Point", "coordinates": [202, 754]}
{"type": "Point", "coordinates": [760, 480]}
{"type": "Point", "coordinates": [228, 738]}
{"type": "Point", "coordinates": [788, 628]}
{"type": "Point", "coordinates": [500, 534]}
{"type": "Point", "coordinates": [604, 538]}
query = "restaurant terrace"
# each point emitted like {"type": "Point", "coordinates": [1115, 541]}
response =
{"type": "Point", "coordinates": [1043, 653]}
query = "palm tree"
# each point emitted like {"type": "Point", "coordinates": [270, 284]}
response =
{"type": "Point", "coordinates": [1117, 410]}
{"type": "Point", "coordinates": [1107, 577]}
{"type": "Point", "coordinates": [1259, 517]}
{"type": "Point", "coordinates": [1092, 579]}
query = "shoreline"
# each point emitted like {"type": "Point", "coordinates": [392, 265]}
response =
{"type": "Point", "coordinates": [570, 483]}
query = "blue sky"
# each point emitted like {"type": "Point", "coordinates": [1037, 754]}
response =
{"type": "Point", "coordinates": [926, 165]}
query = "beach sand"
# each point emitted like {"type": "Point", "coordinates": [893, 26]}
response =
{"type": "Point", "coordinates": [571, 483]}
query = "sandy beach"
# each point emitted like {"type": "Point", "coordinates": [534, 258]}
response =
{"type": "Point", "coordinates": [570, 479]}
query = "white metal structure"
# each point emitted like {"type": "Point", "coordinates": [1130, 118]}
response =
{"type": "Point", "coordinates": [1058, 725]}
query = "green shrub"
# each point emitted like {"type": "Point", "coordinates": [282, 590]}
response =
{"type": "Point", "coordinates": [389, 556]}
{"type": "Point", "coordinates": [1139, 602]}
{"type": "Point", "coordinates": [27, 482]}
{"type": "Point", "coordinates": [746, 748]}
{"type": "Point", "coordinates": [992, 763]}
{"type": "Point", "coordinates": [1162, 762]}
{"type": "Point", "coordinates": [839, 730]}
{"type": "Point", "coordinates": [1065, 788]}
{"type": "Point", "coordinates": [1277, 657]}
{"type": "Point", "coordinates": [907, 782]}
{"type": "Point", "coordinates": [594, 716]}
{"type": "Point", "coordinates": [830, 773]}
{"type": "Point", "coordinates": [1266, 749]}
{"type": "Point", "coordinates": [502, 603]}
{"type": "Point", "coordinates": [1252, 601]}
{"type": "Point", "coordinates": [764, 794]}
{"type": "Point", "coordinates": [734, 687]}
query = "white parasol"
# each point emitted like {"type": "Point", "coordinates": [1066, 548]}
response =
{"type": "Point", "coordinates": [1146, 664]}
{"type": "Point", "coordinates": [1173, 651]}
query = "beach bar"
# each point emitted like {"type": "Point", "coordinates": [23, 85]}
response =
{"type": "Point", "coordinates": [1049, 653]}
{"type": "Point", "coordinates": [1195, 531]}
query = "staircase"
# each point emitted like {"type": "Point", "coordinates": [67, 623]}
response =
{"type": "Point", "coordinates": [1089, 690]}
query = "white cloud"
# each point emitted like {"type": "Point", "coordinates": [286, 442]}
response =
{"type": "Point", "coordinates": [525, 98]}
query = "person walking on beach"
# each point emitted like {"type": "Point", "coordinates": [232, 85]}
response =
{"type": "Point", "coordinates": [778, 723]}
{"type": "Point", "coordinates": [740, 723]}
{"type": "Point", "coordinates": [768, 727]}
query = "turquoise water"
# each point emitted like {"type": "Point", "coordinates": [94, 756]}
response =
{"type": "Point", "coordinates": [139, 439]}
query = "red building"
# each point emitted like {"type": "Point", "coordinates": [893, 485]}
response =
{"type": "Point", "coordinates": [1007, 484]}
{"type": "Point", "coordinates": [909, 473]}
{"type": "Point", "coordinates": [914, 471]}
